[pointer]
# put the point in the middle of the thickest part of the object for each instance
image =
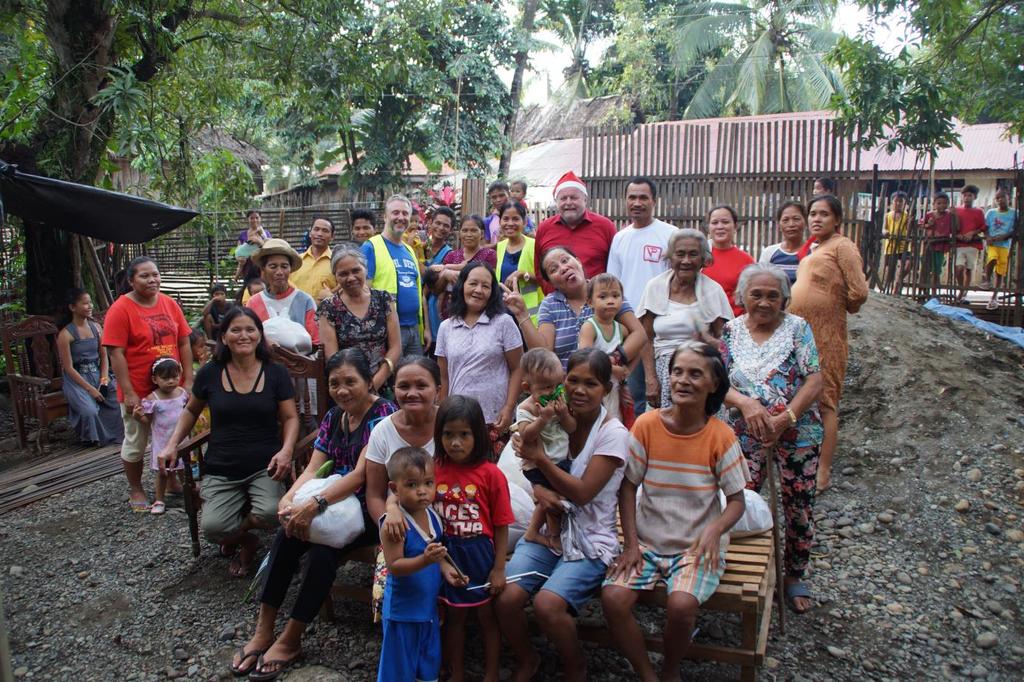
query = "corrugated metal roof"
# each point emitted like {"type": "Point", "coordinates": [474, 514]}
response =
{"type": "Point", "coordinates": [986, 146]}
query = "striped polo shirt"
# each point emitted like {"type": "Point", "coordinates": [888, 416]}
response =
{"type": "Point", "coordinates": [680, 478]}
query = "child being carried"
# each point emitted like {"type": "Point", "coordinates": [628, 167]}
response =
{"type": "Point", "coordinates": [544, 416]}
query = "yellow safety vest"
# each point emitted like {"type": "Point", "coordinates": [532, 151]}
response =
{"type": "Point", "coordinates": [385, 275]}
{"type": "Point", "coordinates": [531, 292]}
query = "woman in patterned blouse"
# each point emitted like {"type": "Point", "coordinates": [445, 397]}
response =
{"type": "Point", "coordinates": [359, 317]}
{"type": "Point", "coordinates": [776, 382]}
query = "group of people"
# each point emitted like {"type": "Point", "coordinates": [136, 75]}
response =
{"type": "Point", "coordinates": [630, 375]}
{"type": "Point", "coordinates": [963, 234]}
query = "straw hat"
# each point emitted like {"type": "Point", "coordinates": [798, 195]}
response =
{"type": "Point", "coordinates": [277, 247]}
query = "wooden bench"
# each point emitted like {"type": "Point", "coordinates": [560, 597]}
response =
{"type": "Point", "coordinates": [34, 375]}
{"type": "Point", "coordinates": [746, 588]}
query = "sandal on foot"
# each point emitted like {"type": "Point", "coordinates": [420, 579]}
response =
{"type": "Point", "coordinates": [793, 591]}
{"type": "Point", "coordinates": [820, 550]}
{"type": "Point", "coordinates": [139, 506]}
{"type": "Point", "coordinates": [158, 508]}
{"type": "Point", "coordinates": [279, 665]}
{"type": "Point", "coordinates": [237, 670]}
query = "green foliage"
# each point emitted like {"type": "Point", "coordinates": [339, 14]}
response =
{"type": "Point", "coordinates": [967, 65]}
{"type": "Point", "coordinates": [766, 56]}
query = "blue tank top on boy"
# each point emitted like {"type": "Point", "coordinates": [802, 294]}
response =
{"type": "Point", "coordinates": [413, 598]}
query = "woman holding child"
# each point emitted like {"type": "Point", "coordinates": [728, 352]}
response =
{"type": "Point", "coordinates": [344, 433]}
{"type": "Point", "coordinates": [563, 312]}
{"type": "Point", "coordinates": [679, 305]}
{"type": "Point", "coordinates": [597, 451]}
{"type": "Point", "coordinates": [776, 381]}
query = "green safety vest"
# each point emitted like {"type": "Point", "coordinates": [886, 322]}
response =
{"type": "Point", "coordinates": [531, 291]}
{"type": "Point", "coordinates": [385, 275]}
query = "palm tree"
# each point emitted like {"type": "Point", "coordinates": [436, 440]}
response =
{"type": "Point", "coordinates": [770, 55]}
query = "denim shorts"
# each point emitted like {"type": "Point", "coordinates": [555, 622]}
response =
{"type": "Point", "coordinates": [574, 581]}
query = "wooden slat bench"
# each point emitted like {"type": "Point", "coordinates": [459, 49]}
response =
{"type": "Point", "coordinates": [746, 588]}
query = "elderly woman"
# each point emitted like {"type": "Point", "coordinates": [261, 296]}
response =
{"type": "Point", "coordinates": [281, 303]}
{"type": "Point", "coordinates": [727, 260]}
{"type": "Point", "coordinates": [253, 428]}
{"type": "Point", "coordinates": [140, 327]}
{"type": "Point", "coordinates": [515, 266]}
{"type": "Point", "coordinates": [775, 379]}
{"type": "Point", "coordinates": [563, 312]}
{"type": "Point", "coordinates": [343, 436]}
{"type": "Point", "coordinates": [479, 347]}
{"type": "Point", "coordinates": [791, 218]}
{"type": "Point", "coordinates": [359, 317]}
{"type": "Point", "coordinates": [598, 449]}
{"type": "Point", "coordinates": [679, 305]}
{"type": "Point", "coordinates": [829, 284]}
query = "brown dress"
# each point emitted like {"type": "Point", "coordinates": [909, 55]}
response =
{"type": "Point", "coordinates": [829, 284]}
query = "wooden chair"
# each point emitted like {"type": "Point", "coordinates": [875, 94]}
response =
{"type": "Point", "coordinates": [312, 406]}
{"type": "Point", "coordinates": [34, 375]}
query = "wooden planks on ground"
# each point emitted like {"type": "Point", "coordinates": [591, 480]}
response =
{"type": "Point", "coordinates": [58, 473]}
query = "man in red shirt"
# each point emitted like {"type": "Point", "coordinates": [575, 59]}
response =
{"type": "Point", "coordinates": [969, 240]}
{"type": "Point", "coordinates": [588, 234]}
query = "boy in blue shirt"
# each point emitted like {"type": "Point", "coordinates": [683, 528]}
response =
{"type": "Point", "coordinates": [999, 226]}
{"type": "Point", "coordinates": [412, 637]}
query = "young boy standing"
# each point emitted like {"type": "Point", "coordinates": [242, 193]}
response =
{"type": "Point", "coordinates": [411, 649]}
{"type": "Point", "coordinates": [969, 237]}
{"type": "Point", "coordinates": [897, 248]}
{"type": "Point", "coordinates": [1000, 222]}
{"type": "Point", "coordinates": [517, 193]}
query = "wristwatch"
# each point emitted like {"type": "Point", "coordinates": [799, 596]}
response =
{"type": "Point", "coordinates": [321, 503]}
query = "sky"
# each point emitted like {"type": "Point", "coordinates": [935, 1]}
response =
{"type": "Point", "coordinates": [546, 76]}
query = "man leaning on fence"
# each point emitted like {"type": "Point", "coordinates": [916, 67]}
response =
{"type": "Point", "coordinates": [391, 266]}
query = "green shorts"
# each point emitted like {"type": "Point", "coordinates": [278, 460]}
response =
{"type": "Point", "coordinates": [224, 500]}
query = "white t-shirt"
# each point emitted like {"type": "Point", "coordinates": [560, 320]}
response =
{"type": "Point", "coordinates": [638, 254]}
{"type": "Point", "coordinates": [683, 321]}
{"type": "Point", "coordinates": [384, 441]}
{"type": "Point", "coordinates": [597, 518]}
{"type": "Point", "coordinates": [711, 304]}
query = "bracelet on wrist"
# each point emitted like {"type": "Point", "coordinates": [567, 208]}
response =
{"type": "Point", "coordinates": [390, 363]}
{"type": "Point", "coordinates": [792, 416]}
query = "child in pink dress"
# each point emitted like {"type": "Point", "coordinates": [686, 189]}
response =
{"type": "Point", "coordinates": [161, 409]}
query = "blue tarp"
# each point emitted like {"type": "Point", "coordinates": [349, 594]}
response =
{"type": "Point", "coordinates": [1012, 334]}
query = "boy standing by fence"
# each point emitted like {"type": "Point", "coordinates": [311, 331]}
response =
{"type": "Point", "coordinates": [1000, 222]}
{"type": "Point", "coordinates": [971, 230]}
{"type": "Point", "coordinates": [938, 231]}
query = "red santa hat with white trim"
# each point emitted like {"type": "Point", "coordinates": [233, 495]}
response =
{"type": "Point", "coordinates": [570, 181]}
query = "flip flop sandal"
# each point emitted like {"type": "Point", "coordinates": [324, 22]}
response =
{"type": "Point", "coordinates": [158, 508]}
{"type": "Point", "coordinates": [280, 666]}
{"type": "Point", "coordinates": [794, 590]}
{"type": "Point", "coordinates": [236, 670]}
{"type": "Point", "coordinates": [820, 550]}
{"type": "Point", "coordinates": [139, 506]}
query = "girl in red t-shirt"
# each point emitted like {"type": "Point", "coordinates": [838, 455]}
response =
{"type": "Point", "coordinates": [474, 503]}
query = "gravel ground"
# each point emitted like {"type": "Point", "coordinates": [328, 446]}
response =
{"type": "Point", "coordinates": [922, 580]}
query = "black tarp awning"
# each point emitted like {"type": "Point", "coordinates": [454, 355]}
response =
{"type": "Point", "coordinates": [94, 212]}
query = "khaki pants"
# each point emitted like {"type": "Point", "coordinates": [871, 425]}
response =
{"type": "Point", "coordinates": [136, 437]}
{"type": "Point", "coordinates": [224, 500]}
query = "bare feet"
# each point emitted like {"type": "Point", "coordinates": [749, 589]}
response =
{"type": "Point", "coordinates": [824, 481]}
{"type": "Point", "coordinates": [241, 564]}
{"type": "Point", "coordinates": [526, 669]}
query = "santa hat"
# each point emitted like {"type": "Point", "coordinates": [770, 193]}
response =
{"type": "Point", "coordinates": [570, 181]}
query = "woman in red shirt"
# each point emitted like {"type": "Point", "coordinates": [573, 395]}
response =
{"type": "Point", "coordinates": [727, 259]}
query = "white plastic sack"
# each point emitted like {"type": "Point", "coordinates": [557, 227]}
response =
{"type": "Point", "coordinates": [340, 524]}
{"type": "Point", "coordinates": [522, 509]}
{"type": "Point", "coordinates": [757, 517]}
{"type": "Point", "coordinates": [288, 334]}
{"type": "Point", "coordinates": [512, 467]}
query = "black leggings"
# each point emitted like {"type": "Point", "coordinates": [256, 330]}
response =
{"type": "Point", "coordinates": [321, 568]}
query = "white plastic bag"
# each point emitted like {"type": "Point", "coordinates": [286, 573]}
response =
{"type": "Point", "coordinates": [757, 517]}
{"type": "Point", "coordinates": [512, 467]}
{"type": "Point", "coordinates": [522, 509]}
{"type": "Point", "coordinates": [341, 523]}
{"type": "Point", "coordinates": [288, 334]}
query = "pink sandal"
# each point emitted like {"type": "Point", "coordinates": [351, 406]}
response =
{"type": "Point", "coordinates": [158, 508]}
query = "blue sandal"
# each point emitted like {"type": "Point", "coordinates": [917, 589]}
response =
{"type": "Point", "coordinates": [793, 591]}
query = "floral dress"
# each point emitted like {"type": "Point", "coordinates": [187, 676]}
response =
{"type": "Point", "coordinates": [773, 372]}
{"type": "Point", "coordinates": [369, 334]}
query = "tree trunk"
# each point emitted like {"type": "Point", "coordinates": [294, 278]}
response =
{"type": "Point", "coordinates": [516, 90]}
{"type": "Point", "coordinates": [69, 141]}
